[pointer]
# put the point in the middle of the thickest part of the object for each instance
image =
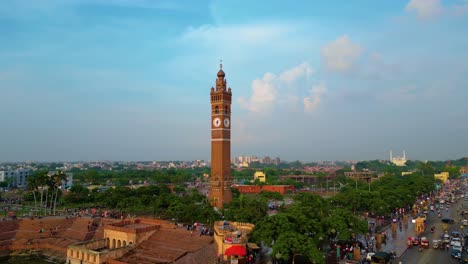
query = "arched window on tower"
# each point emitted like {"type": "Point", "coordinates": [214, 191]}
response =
{"type": "Point", "coordinates": [216, 109]}
{"type": "Point", "coordinates": [226, 110]}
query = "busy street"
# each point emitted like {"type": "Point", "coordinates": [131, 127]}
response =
{"type": "Point", "coordinates": [444, 230]}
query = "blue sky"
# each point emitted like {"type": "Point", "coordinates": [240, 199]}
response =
{"type": "Point", "coordinates": [311, 80]}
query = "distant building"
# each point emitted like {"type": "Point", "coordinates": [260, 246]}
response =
{"type": "Point", "coordinates": [406, 173]}
{"type": "Point", "coordinates": [253, 189]}
{"type": "Point", "coordinates": [399, 161]}
{"type": "Point", "coordinates": [15, 178]}
{"type": "Point", "coordinates": [67, 183]}
{"type": "Point", "coordinates": [367, 176]}
{"type": "Point", "coordinates": [443, 176]}
{"type": "Point", "coordinates": [260, 176]}
{"type": "Point", "coordinates": [464, 170]}
{"type": "Point", "coordinates": [306, 179]}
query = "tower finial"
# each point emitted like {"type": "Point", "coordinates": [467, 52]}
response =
{"type": "Point", "coordinates": [221, 72]}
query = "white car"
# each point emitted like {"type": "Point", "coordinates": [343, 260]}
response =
{"type": "Point", "coordinates": [455, 241]}
{"type": "Point", "coordinates": [457, 247]}
{"type": "Point", "coordinates": [369, 256]}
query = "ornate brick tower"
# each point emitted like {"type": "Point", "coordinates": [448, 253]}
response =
{"type": "Point", "coordinates": [220, 178]}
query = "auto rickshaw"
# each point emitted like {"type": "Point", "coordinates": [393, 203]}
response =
{"type": "Point", "coordinates": [409, 242]}
{"type": "Point", "coordinates": [424, 242]}
{"type": "Point", "coordinates": [436, 243]}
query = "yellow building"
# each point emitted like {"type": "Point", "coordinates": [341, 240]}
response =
{"type": "Point", "coordinates": [443, 176]}
{"type": "Point", "coordinates": [406, 173]}
{"type": "Point", "coordinates": [260, 176]}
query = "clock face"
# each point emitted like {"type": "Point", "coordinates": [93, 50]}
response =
{"type": "Point", "coordinates": [226, 122]}
{"type": "Point", "coordinates": [216, 122]}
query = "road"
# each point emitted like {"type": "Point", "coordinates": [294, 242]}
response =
{"type": "Point", "coordinates": [431, 255]}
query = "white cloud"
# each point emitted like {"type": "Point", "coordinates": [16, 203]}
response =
{"type": "Point", "coordinates": [313, 100]}
{"type": "Point", "coordinates": [293, 74]}
{"type": "Point", "coordinates": [264, 94]}
{"type": "Point", "coordinates": [341, 54]}
{"type": "Point", "coordinates": [425, 9]}
{"type": "Point", "coordinates": [275, 90]}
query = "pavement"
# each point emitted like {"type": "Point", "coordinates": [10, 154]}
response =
{"type": "Point", "coordinates": [396, 241]}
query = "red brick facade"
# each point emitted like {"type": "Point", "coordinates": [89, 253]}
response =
{"type": "Point", "coordinates": [253, 189]}
{"type": "Point", "coordinates": [220, 177]}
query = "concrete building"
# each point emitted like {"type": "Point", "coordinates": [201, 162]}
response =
{"type": "Point", "coordinates": [253, 189]}
{"type": "Point", "coordinates": [367, 176]}
{"type": "Point", "coordinates": [15, 178]}
{"type": "Point", "coordinates": [443, 176]}
{"type": "Point", "coordinates": [67, 183]}
{"type": "Point", "coordinates": [232, 240]}
{"type": "Point", "coordinates": [464, 170]}
{"type": "Point", "coordinates": [260, 176]}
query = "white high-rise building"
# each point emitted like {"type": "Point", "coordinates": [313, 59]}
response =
{"type": "Point", "coordinates": [15, 178]}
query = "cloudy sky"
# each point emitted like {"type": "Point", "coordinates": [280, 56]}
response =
{"type": "Point", "coordinates": [311, 80]}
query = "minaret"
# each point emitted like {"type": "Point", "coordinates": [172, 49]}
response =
{"type": "Point", "coordinates": [220, 178]}
{"type": "Point", "coordinates": [404, 155]}
{"type": "Point", "coordinates": [391, 159]}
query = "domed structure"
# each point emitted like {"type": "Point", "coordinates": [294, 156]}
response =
{"type": "Point", "coordinates": [221, 73]}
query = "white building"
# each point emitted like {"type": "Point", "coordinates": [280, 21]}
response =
{"type": "Point", "coordinates": [67, 183]}
{"type": "Point", "coordinates": [399, 161]}
{"type": "Point", "coordinates": [15, 178]}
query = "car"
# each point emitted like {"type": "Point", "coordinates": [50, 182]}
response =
{"type": "Point", "coordinates": [456, 253]}
{"type": "Point", "coordinates": [369, 256]}
{"type": "Point", "coordinates": [448, 221]}
{"type": "Point", "coordinates": [416, 241]}
{"type": "Point", "coordinates": [455, 241]}
{"type": "Point", "coordinates": [445, 238]}
{"type": "Point", "coordinates": [424, 242]}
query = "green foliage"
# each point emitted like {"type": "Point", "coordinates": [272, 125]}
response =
{"type": "Point", "coordinates": [302, 227]}
{"type": "Point", "coordinates": [246, 209]}
{"type": "Point", "coordinates": [386, 194]}
{"type": "Point", "coordinates": [271, 195]}
{"type": "Point", "coordinates": [77, 194]}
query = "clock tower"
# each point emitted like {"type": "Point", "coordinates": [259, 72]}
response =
{"type": "Point", "coordinates": [220, 178]}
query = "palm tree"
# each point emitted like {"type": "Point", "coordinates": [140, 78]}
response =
{"type": "Point", "coordinates": [32, 186]}
{"type": "Point", "coordinates": [59, 177]}
{"type": "Point", "coordinates": [41, 181]}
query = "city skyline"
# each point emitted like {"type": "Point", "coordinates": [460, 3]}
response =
{"type": "Point", "coordinates": [321, 80]}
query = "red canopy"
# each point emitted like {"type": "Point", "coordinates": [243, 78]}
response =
{"type": "Point", "coordinates": [236, 250]}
